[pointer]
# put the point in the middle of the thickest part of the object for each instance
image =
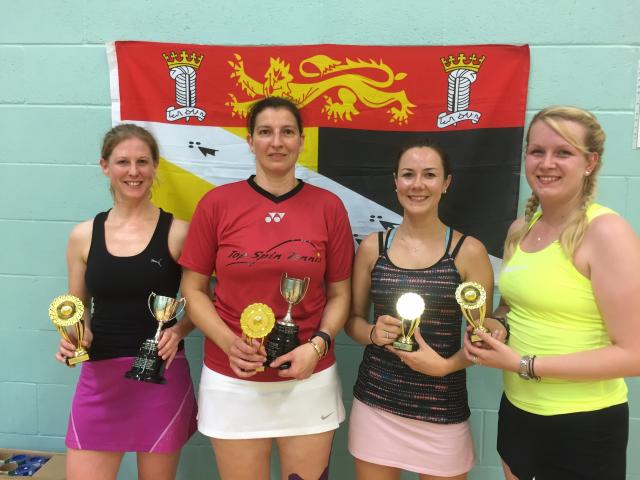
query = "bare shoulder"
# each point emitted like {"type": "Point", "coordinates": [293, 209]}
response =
{"type": "Point", "coordinates": [82, 232]}
{"type": "Point", "coordinates": [368, 248]}
{"type": "Point", "coordinates": [177, 236]}
{"type": "Point", "coordinates": [471, 248]}
{"type": "Point", "coordinates": [607, 230]}
{"type": "Point", "coordinates": [179, 228]}
{"type": "Point", "coordinates": [516, 225]}
{"type": "Point", "coordinates": [80, 241]}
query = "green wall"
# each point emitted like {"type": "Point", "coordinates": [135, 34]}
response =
{"type": "Point", "coordinates": [54, 108]}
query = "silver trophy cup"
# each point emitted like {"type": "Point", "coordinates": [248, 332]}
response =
{"type": "Point", "coordinates": [148, 366]}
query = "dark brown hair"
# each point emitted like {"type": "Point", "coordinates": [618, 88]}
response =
{"type": "Point", "coordinates": [426, 143]}
{"type": "Point", "coordinates": [272, 102]}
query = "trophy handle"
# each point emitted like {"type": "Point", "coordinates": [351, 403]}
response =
{"type": "Point", "coordinates": [467, 314]}
{"type": "Point", "coordinates": [63, 333]}
{"type": "Point", "coordinates": [306, 282]}
{"type": "Point", "coordinates": [152, 295]}
{"type": "Point", "coordinates": [282, 279]}
{"type": "Point", "coordinates": [80, 333]}
{"type": "Point", "coordinates": [181, 307]}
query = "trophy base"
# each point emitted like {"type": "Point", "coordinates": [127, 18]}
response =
{"type": "Point", "coordinates": [283, 339]}
{"type": "Point", "coordinates": [78, 358]}
{"type": "Point", "coordinates": [474, 336]}
{"type": "Point", "coordinates": [405, 346]}
{"type": "Point", "coordinates": [142, 377]}
{"type": "Point", "coordinates": [147, 366]}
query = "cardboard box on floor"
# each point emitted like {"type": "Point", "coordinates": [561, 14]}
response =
{"type": "Point", "coordinates": [54, 469]}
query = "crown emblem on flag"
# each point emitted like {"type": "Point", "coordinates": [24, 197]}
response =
{"type": "Point", "coordinates": [183, 59]}
{"type": "Point", "coordinates": [473, 64]}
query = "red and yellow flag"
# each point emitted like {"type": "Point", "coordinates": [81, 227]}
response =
{"type": "Point", "coordinates": [360, 104]}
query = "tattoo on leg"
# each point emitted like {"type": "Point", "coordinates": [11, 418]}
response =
{"type": "Point", "coordinates": [323, 476]}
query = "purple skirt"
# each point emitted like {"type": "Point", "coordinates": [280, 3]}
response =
{"type": "Point", "coordinates": [112, 413]}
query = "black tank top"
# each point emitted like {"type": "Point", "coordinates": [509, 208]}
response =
{"type": "Point", "coordinates": [120, 288]}
{"type": "Point", "coordinates": [385, 382]}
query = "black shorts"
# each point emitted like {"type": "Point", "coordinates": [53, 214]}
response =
{"type": "Point", "coordinates": [573, 446]}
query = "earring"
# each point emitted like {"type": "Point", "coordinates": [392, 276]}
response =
{"type": "Point", "coordinates": [587, 172]}
{"type": "Point", "coordinates": [444, 191]}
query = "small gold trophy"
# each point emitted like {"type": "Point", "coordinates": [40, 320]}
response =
{"type": "Point", "coordinates": [410, 307]}
{"type": "Point", "coordinates": [256, 321]}
{"type": "Point", "coordinates": [472, 296]}
{"type": "Point", "coordinates": [285, 335]}
{"type": "Point", "coordinates": [66, 311]}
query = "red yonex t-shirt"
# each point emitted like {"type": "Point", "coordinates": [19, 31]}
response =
{"type": "Point", "coordinates": [249, 238]}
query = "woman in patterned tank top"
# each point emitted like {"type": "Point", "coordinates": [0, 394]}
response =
{"type": "Point", "coordinates": [410, 409]}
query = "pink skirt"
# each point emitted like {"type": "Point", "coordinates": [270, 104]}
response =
{"type": "Point", "coordinates": [382, 438]}
{"type": "Point", "coordinates": [112, 413]}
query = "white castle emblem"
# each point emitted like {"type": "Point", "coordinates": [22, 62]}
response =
{"type": "Point", "coordinates": [182, 69]}
{"type": "Point", "coordinates": [462, 74]}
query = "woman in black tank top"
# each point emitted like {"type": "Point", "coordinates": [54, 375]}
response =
{"type": "Point", "coordinates": [410, 409]}
{"type": "Point", "coordinates": [114, 262]}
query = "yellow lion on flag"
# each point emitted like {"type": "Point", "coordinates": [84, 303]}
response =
{"type": "Point", "coordinates": [334, 74]}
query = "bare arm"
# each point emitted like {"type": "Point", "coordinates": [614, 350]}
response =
{"type": "Point", "coordinates": [386, 329]}
{"type": "Point", "coordinates": [243, 359]}
{"type": "Point", "coordinates": [615, 279]}
{"type": "Point", "coordinates": [304, 358]}
{"type": "Point", "coordinates": [77, 252]}
{"type": "Point", "coordinates": [171, 337]}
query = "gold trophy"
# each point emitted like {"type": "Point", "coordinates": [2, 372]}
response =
{"type": "Point", "coordinates": [148, 365]}
{"type": "Point", "coordinates": [409, 307]}
{"type": "Point", "coordinates": [66, 311]}
{"type": "Point", "coordinates": [285, 335]}
{"type": "Point", "coordinates": [256, 321]}
{"type": "Point", "coordinates": [472, 296]}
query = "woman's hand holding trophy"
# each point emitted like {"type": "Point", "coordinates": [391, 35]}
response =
{"type": "Point", "coordinates": [66, 313]}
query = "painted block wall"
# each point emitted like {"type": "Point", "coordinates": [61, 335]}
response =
{"type": "Point", "coordinates": [54, 109]}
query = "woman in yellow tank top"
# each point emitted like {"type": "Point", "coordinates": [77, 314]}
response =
{"type": "Point", "coordinates": [569, 282]}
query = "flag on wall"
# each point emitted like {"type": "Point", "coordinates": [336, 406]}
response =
{"type": "Point", "coordinates": [360, 104]}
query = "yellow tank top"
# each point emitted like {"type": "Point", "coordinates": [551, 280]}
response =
{"type": "Point", "coordinates": [553, 312]}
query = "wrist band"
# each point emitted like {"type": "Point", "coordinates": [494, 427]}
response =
{"type": "Point", "coordinates": [373, 327]}
{"type": "Point", "coordinates": [503, 320]}
{"type": "Point", "coordinates": [525, 369]}
{"type": "Point", "coordinates": [316, 348]}
{"type": "Point", "coordinates": [531, 371]}
{"type": "Point", "coordinates": [327, 340]}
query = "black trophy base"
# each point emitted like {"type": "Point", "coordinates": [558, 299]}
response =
{"type": "Point", "coordinates": [283, 339]}
{"type": "Point", "coordinates": [147, 366]}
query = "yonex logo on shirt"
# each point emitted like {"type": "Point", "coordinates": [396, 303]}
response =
{"type": "Point", "coordinates": [274, 217]}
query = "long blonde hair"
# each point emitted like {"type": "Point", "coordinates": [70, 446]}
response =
{"type": "Point", "coordinates": [573, 232]}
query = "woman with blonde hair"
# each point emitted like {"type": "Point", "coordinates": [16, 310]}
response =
{"type": "Point", "coordinates": [570, 275]}
{"type": "Point", "coordinates": [114, 262]}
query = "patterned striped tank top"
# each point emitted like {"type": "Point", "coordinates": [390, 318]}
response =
{"type": "Point", "coordinates": [385, 382]}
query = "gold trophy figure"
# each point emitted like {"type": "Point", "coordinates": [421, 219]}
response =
{"type": "Point", "coordinates": [409, 307]}
{"type": "Point", "coordinates": [472, 296]}
{"type": "Point", "coordinates": [66, 311]}
{"type": "Point", "coordinates": [285, 335]}
{"type": "Point", "coordinates": [257, 321]}
{"type": "Point", "coordinates": [148, 365]}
